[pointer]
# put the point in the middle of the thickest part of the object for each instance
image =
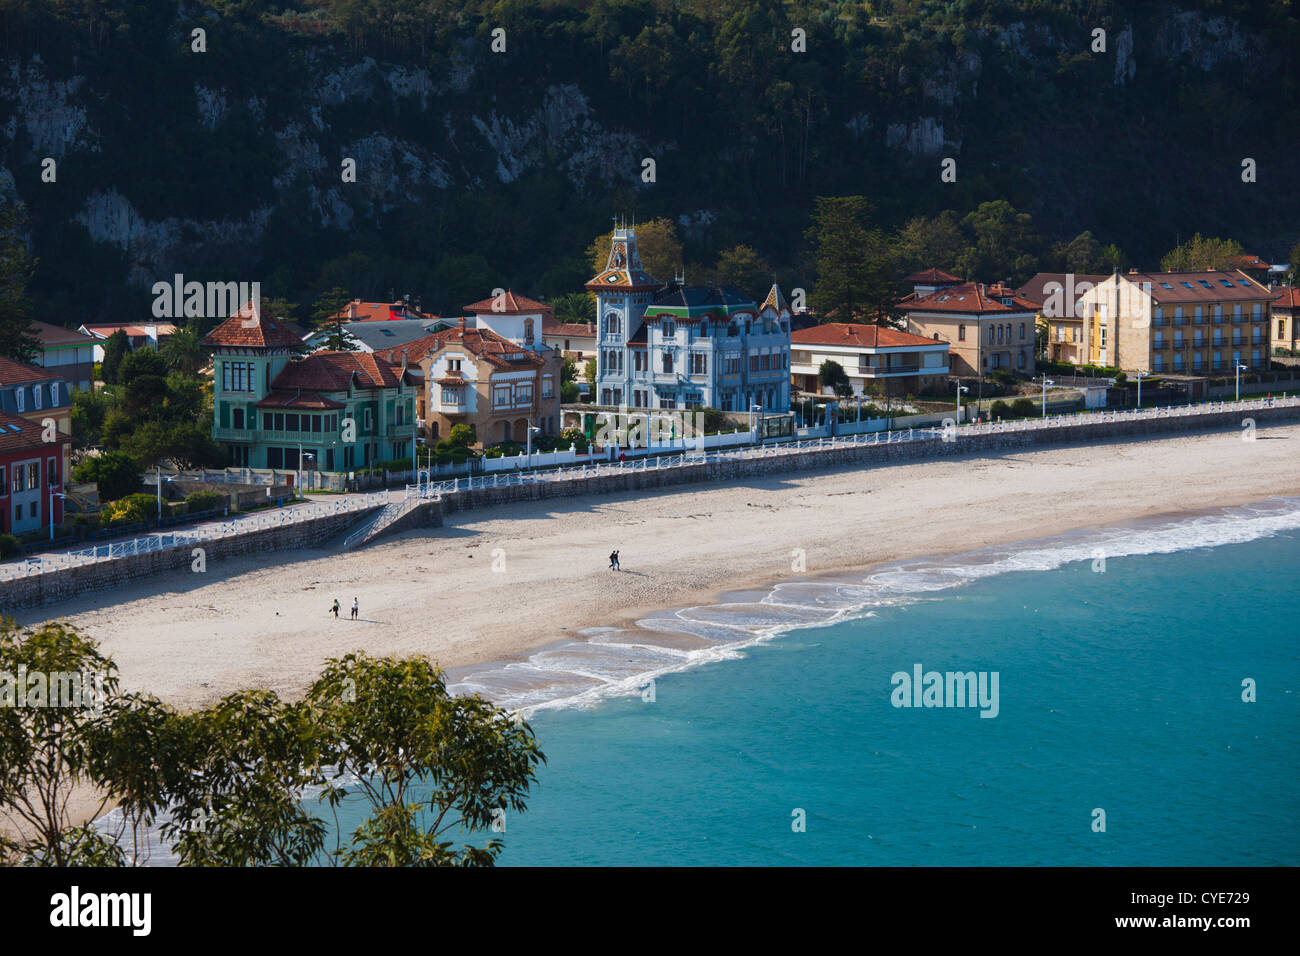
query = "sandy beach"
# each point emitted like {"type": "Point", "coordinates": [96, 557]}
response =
{"type": "Point", "coordinates": [496, 583]}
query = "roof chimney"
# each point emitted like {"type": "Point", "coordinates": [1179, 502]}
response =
{"type": "Point", "coordinates": [462, 325]}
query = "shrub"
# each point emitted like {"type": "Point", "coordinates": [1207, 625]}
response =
{"type": "Point", "coordinates": [442, 459]}
{"type": "Point", "coordinates": [133, 509]}
{"type": "Point", "coordinates": [205, 501]}
{"type": "Point", "coordinates": [999, 409]}
{"type": "Point", "coordinates": [462, 435]}
{"type": "Point", "coordinates": [1024, 408]}
{"type": "Point", "coordinates": [8, 546]}
{"type": "Point", "coordinates": [115, 473]}
{"type": "Point", "coordinates": [460, 455]}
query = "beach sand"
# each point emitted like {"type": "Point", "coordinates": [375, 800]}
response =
{"type": "Point", "coordinates": [496, 583]}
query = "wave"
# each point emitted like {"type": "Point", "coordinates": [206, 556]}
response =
{"type": "Point", "coordinates": [621, 662]}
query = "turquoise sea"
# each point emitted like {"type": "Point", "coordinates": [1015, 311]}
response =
{"type": "Point", "coordinates": [763, 730]}
{"type": "Point", "coordinates": [1119, 688]}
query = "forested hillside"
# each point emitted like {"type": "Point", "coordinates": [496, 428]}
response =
{"type": "Point", "coordinates": [478, 168]}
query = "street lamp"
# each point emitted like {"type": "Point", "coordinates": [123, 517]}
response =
{"type": "Point", "coordinates": [531, 430]}
{"type": "Point", "coordinates": [960, 388]}
{"type": "Point", "coordinates": [1046, 382]}
{"type": "Point", "coordinates": [1240, 369]}
{"type": "Point", "coordinates": [54, 494]}
{"type": "Point", "coordinates": [753, 421]}
{"type": "Point", "coordinates": [303, 456]}
{"type": "Point", "coordinates": [1140, 375]}
{"type": "Point", "coordinates": [159, 484]}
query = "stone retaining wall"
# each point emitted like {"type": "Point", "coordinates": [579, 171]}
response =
{"type": "Point", "coordinates": [865, 456]}
{"type": "Point", "coordinates": [38, 589]}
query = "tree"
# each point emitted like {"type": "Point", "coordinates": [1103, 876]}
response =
{"type": "Point", "coordinates": [832, 373]}
{"type": "Point", "coordinates": [931, 243]}
{"type": "Point", "coordinates": [330, 312]}
{"type": "Point", "coordinates": [427, 763]}
{"type": "Point", "coordinates": [462, 435]}
{"type": "Point", "coordinates": [657, 243]}
{"type": "Point", "coordinates": [1293, 260]}
{"type": "Point", "coordinates": [590, 368]}
{"type": "Point", "coordinates": [1199, 254]}
{"type": "Point", "coordinates": [742, 267]}
{"type": "Point", "coordinates": [1003, 246]}
{"type": "Point", "coordinates": [116, 348]}
{"type": "Point", "coordinates": [576, 308]}
{"type": "Point", "coordinates": [852, 261]}
{"type": "Point", "coordinates": [183, 350]}
{"type": "Point", "coordinates": [142, 362]}
{"type": "Point", "coordinates": [48, 726]}
{"type": "Point", "coordinates": [17, 339]}
{"type": "Point", "coordinates": [117, 474]}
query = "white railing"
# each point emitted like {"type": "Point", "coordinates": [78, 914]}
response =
{"type": "Point", "coordinates": [681, 458]}
{"type": "Point", "coordinates": [161, 541]}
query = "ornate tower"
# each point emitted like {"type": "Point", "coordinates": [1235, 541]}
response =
{"type": "Point", "coordinates": [623, 289]}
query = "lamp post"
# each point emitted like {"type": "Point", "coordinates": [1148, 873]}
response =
{"type": "Point", "coordinates": [54, 494]}
{"type": "Point", "coordinates": [960, 388]}
{"type": "Point", "coordinates": [1140, 375]}
{"type": "Point", "coordinates": [159, 484]}
{"type": "Point", "coordinates": [303, 455]}
{"type": "Point", "coordinates": [753, 421]}
{"type": "Point", "coordinates": [1046, 382]}
{"type": "Point", "coordinates": [531, 430]}
{"type": "Point", "coordinates": [1240, 369]}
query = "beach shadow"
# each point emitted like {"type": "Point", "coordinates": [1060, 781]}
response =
{"type": "Point", "coordinates": [639, 574]}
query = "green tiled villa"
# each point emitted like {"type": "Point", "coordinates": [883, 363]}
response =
{"type": "Point", "coordinates": [342, 410]}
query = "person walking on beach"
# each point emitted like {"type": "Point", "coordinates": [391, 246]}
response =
{"type": "Point", "coordinates": [335, 608]}
{"type": "Point", "coordinates": [616, 565]}
{"type": "Point", "coordinates": [613, 560]}
{"type": "Point", "coordinates": [356, 606]}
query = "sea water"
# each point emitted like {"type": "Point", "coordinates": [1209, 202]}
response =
{"type": "Point", "coordinates": [1147, 712]}
{"type": "Point", "coordinates": [1125, 733]}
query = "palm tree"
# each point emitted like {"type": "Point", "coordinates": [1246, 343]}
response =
{"type": "Point", "coordinates": [576, 307]}
{"type": "Point", "coordinates": [183, 351]}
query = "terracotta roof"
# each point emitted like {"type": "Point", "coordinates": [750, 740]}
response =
{"type": "Point", "coordinates": [489, 346]}
{"type": "Point", "coordinates": [575, 329]}
{"type": "Point", "coordinates": [248, 328]}
{"type": "Point", "coordinates": [932, 277]}
{"type": "Point", "coordinates": [415, 351]}
{"type": "Point", "coordinates": [453, 378]}
{"type": "Point", "coordinates": [1215, 285]}
{"type": "Point", "coordinates": [358, 311]}
{"type": "Point", "coordinates": [968, 297]}
{"type": "Point", "coordinates": [1032, 291]}
{"type": "Point", "coordinates": [310, 401]}
{"type": "Point", "coordinates": [17, 434]}
{"type": "Point", "coordinates": [846, 334]}
{"type": "Point", "coordinates": [51, 335]}
{"type": "Point", "coordinates": [19, 373]}
{"type": "Point", "coordinates": [508, 304]}
{"type": "Point", "coordinates": [1289, 298]}
{"type": "Point", "coordinates": [334, 371]}
{"type": "Point", "coordinates": [1250, 262]}
{"type": "Point", "coordinates": [102, 330]}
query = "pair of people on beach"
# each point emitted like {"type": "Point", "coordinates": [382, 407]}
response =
{"type": "Point", "coordinates": [613, 561]}
{"type": "Point", "coordinates": [356, 606]}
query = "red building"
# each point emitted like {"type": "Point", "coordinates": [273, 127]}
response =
{"type": "Point", "coordinates": [31, 470]}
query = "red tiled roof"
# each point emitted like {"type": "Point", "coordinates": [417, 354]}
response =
{"type": "Point", "coordinates": [247, 328]}
{"type": "Point", "coordinates": [847, 334]}
{"type": "Point", "coordinates": [358, 311]}
{"type": "Point", "coordinates": [18, 434]}
{"type": "Point", "coordinates": [508, 304]}
{"type": "Point", "coordinates": [576, 330]}
{"type": "Point", "coordinates": [1200, 286]}
{"type": "Point", "coordinates": [487, 345]}
{"type": "Point", "coordinates": [1033, 290]}
{"type": "Point", "coordinates": [334, 371]}
{"type": "Point", "coordinates": [932, 277]}
{"type": "Point", "coordinates": [104, 329]}
{"type": "Point", "coordinates": [1250, 262]}
{"type": "Point", "coordinates": [1289, 298]}
{"type": "Point", "coordinates": [20, 373]}
{"type": "Point", "coordinates": [309, 401]}
{"type": "Point", "coordinates": [415, 350]}
{"type": "Point", "coordinates": [57, 335]}
{"type": "Point", "coordinates": [967, 298]}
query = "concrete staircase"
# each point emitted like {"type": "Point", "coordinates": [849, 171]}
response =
{"type": "Point", "coordinates": [376, 525]}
